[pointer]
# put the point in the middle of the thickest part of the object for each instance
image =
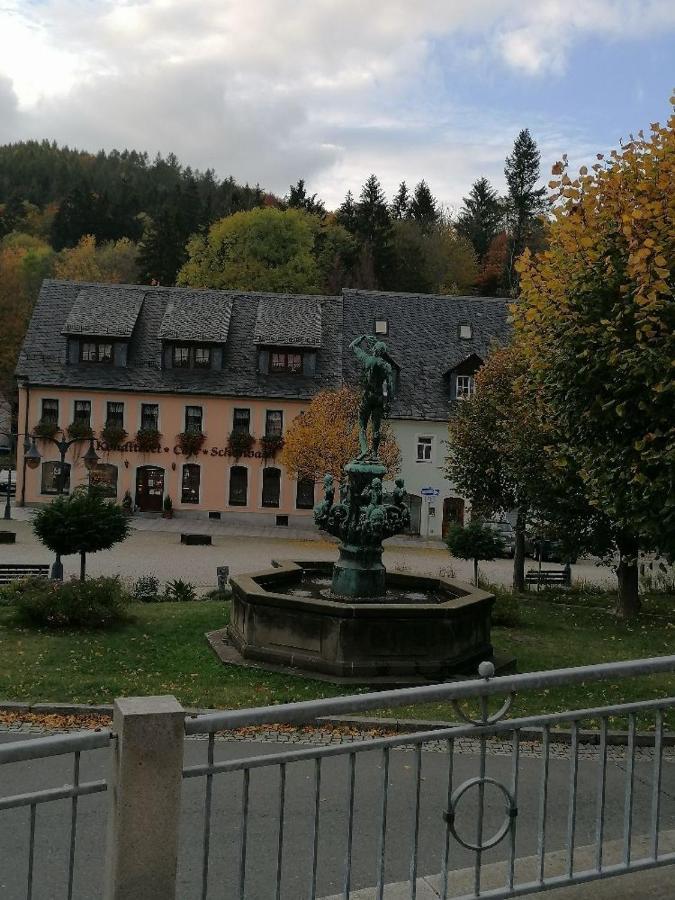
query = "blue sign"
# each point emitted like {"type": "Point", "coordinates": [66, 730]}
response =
{"type": "Point", "coordinates": [430, 492]}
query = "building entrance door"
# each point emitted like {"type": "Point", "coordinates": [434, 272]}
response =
{"type": "Point", "coordinates": [453, 513]}
{"type": "Point", "coordinates": [149, 488]}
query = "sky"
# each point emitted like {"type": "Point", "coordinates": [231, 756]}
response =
{"type": "Point", "coordinates": [270, 91]}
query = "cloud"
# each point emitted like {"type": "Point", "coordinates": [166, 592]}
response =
{"type": "Point", "coordinates": [274, 90]}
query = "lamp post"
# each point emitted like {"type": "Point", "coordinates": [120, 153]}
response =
{"type": "Point", "coordinates": [32, 458]}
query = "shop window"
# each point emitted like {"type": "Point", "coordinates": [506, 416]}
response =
{"type": "Point", "coordinates": [238, 486]}
{"type": "Point", "coordinates": [149, 416]}
{"type": "Point", "coordinates": [104, 476]}
{"type": "Point", "coordinates": [241, 421]}
{"type": "Point", "coordinates": [115, 414]}
{"type": "Point", "coordinates": [193, 419]}
{"type": "Point", "coordinates": [96, 352]}
{"type": "Point", "coordinates": [55, 478]}
{"type": "Point", "coordinates": [82, 412]}
{"type": "Point", "coordinates": [271, 487]}
{"type": "Point", "coordinates": [50, 412]}
{"type": "Point", "coordinates": [304, 495]}
{"type": "Point", "coordinates": [274, 423]}
{"type": "Point", "coordinates": [191, 482]}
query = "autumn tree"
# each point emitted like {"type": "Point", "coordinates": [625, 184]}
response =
{"type": "Point", "coordinates": [114, 262]}
{"type": "Point", "coordinates": [597, 320]}
{"type": "Point", "coordinates": [325, 437]}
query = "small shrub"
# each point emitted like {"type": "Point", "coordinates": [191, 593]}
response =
{"type": "Point", "coordinates": [219, 594]}
{"type": "Point", "coordinates": [146, 590]}
{"type": "Point", "coordinates": [128, 504]}
{"type": "Point", "coordinates": [179, 591]}
{"type": "Point", "coordinates": [506, 611]}
{"type": "Point", "coordinates": [96, 603]}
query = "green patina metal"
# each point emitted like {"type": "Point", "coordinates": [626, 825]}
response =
{"type": "Point", "coordinates": [361, 518]}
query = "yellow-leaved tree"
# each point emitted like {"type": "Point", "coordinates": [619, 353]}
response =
{"type": "Point", "coordinates": [325, 437]}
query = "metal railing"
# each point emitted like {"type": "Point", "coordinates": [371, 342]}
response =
{"type": "Point", "coordinates": [343, 822]}
{"type": "Point", "coordinates": [40, 749]}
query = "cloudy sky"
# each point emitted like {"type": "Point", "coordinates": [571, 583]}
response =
{"type": "Point", "coordinates": [330, 90]}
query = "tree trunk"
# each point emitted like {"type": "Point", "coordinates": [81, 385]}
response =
{"type": "Point", "coordinates": [83, 564]}
{"type": "Point", "coordinates": [628, 602]}
{"type": "Point", "coordinates": [475, 572]}
{"type": "Point", "coordinates": [519, 551]}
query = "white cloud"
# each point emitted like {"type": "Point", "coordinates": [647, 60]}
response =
{"type": "Point", "coordinates": [274, 90]}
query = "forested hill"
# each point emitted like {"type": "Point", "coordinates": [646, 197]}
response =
{"type": "Point", "coordinates": [111, 195]}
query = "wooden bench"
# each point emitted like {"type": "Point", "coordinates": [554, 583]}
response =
{"type": "Point", "coordinates": [548, 577]}
{"type": "Point", "coordinates": [16, 571]}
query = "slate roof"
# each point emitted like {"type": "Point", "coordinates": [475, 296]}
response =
{"type": "Point", "coordinates": [423, 341]}
{"type": "Point", "coordinates": [201, 316]}
{"type": "Point", "coordinates": [103, 310]}
{"type": "Point", "coordinates": [288, 321]}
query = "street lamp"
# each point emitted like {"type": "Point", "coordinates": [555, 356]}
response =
{"type": "Point", "coordinates": [31, 456]}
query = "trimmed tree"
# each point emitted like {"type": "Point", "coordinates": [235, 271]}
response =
{"type": "Point", "coordinates": [325, 437]}
{"type": "Point", "coordinates": [597, 319]}
{"type": "Point", "coordinates": [83, 522]}
{"type": "Point", "coordinates": [474, 541]}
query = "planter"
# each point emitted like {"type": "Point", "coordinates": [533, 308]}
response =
{"type": "Point", "coordinates": [239, 443]}
{"type": "Point", "coordinates": [191, 442]}
{"type": "Point", "coordinates": [148, 440]}
{"type": "Point", "coordinates": [271, 444]}
{"type": "Point", "coordinates": [113, 436]}
{"type": "Point", "coordinates": [78, 431]}
{"type": "Point", "coordinates": [46, 430]}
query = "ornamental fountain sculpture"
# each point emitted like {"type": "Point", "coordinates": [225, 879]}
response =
{"type": "Point", "coordinates": [352, 622]}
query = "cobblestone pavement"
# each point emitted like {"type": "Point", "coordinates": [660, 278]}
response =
{"type": "Point", "coordinates": [154, 548]}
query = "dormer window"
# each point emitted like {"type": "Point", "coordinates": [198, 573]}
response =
{"type": "Point", "coordinates": [202, 357]}
{"type": "Point", "coordinates": [466, 386]}
{"type": "Point", "coordinates": [286, 361]}
{"type": "Point", "coordinates": [381, 326]}
{"type": "Point", "coordinates": [96, 352]}
{"type": "Point", "coordinates": [465, 331]}
{"type": "Point", "coordinates": [181, 357]}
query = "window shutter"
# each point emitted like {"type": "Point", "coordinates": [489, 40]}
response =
{"type": "Point", "coordinates": [217, 358]}
{"type": "Point", "coordinates": [168, 357]}
{"type": "Point", "coordinates": [309, 363]}
{"type": "Point", "coordinates": [73, 351]}
{"type": "Point", "coordinates": [120, 353]}
{"type": "Point", "coordinates": [264, 362]}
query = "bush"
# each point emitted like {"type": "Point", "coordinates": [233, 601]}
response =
{"type": "Point", "coordinates": [146, 590]}
{"type": "Point", "coordinates": [219, 594]}
{"type": "Point", "coordinates": [96, 603]}
{"type": "Point", "coordinates": [179, 591]}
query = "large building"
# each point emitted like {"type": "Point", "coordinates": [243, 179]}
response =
{"type": "Point", "coordinates": [168, 381]}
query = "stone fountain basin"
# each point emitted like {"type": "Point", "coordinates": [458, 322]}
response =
{"type": "Point", "coordinates": [352, 641]}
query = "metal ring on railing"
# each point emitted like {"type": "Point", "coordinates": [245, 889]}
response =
{"type": "Point", "coordinates": [511, 813]}
{"type": "Point", "coordinates": [490, 720]}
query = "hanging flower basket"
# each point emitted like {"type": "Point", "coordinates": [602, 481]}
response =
{"type": "Point", "coordinates": [240, 442]}
{"type": "Point", "coordinates": [191, 442]}
{"type": "Point", "coordinates": [79, 431]}
{"type": "Point", "coordinates": [46, 430]}
{"type": "Point", "coordinates": [271, 444]}
{"type": "Point", "coordinates": [148, 440]}
{"type": "Point", "coordinates": [113, 436]}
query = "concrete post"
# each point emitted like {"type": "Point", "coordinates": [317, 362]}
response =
{"type": "Point", "coordinates": [144, 792]}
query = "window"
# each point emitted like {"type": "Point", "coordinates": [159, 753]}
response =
{"type": "Point", "coordinates": [424, 449]}
{"type": "Point", "coordinates": [191, 480]}
{"type": "Point", "coordinates": [202, 357]}
{"type": "Point", "coordinates": [115, 414]}
{"type": "Point", "coordinates": [465, 386]}
{"type": "Point", "coordinates": [241, 421]}
{"type": "Point", "coordinates": [381, 326]}
{"type": "Point", "coordinates": [465, 331]}
{"type": "Point", "coordinates": [271, 487]}
{"type": "Point", "coordinates": [181, 357]}
{"type": "Point", "coordinates": [50, 412]}
{"type": "Point", "coordinates": [96, 351]}
{"type": "Point", "coordinates": [104, 475]}
{"type": "Point", "coordinates": [304, 495]}
{"type": "Point", "coordinates": [274, 423]}
{"type": "Point", "coordinates": [193, 418]}
{"type": "Point", "coordinates": [285, 361]}
{"type": "Point", "coordinates": [149, 416]}
{"type": "Point", "coordinates": [55, 478]}
{"type": "Point", "coordinates": [82, 412]}
{"type": "Point", "coordinates": [238, 486]}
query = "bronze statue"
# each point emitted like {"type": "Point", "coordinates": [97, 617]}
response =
{"type": "Point", "coordinates": [378, 387]}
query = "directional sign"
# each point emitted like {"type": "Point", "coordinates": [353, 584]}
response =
{"type": "Point", "coordinates": [430, 492]}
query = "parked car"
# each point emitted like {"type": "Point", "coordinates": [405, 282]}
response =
{"type": "Point", "coordinates": [507, 534]}
{"type": "Point", "coordinates": [551, 551]}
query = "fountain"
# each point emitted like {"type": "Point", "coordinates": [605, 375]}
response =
{"type": "Point", "coordinates": [352, 621]}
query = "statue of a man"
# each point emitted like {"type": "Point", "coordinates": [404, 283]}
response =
{"type": "Point", "coordinates": [378, 387]}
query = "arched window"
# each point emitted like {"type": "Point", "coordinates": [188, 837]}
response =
{"type": "Point", "coordinates": [238, 486]}
{"type": "Point", "coordinates": [191, 481]}
{"type": "Point", "coordinates": [104, 476]}
{"type": "Point", "coordinates": [304, 495]}
{"type": "Point", "coordinates": [271, 487]}
{"type": "Point", "coordinates": [55, 478]}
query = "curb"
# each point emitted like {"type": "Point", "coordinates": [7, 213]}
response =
{"type": "Point", "coordinates": [403, 726]}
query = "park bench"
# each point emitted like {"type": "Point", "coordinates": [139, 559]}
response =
{"type": "Point", "coordinates": [549, 577]}
{"type": "Point", "coordinates": [16, 571]}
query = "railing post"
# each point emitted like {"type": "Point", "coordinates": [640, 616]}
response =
{"type": "Point", "coordinates": [145, 799]}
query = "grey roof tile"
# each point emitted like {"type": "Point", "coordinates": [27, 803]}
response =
{"type": "Point", "coordinates": [291, 321]}
{"type": "Point", "coordinates": [104, 310]}
{"type": "Point", "coordinates": [202, 316]}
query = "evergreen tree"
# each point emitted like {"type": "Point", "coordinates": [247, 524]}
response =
{"type": "Point", "coordinates": [373, 226]}
{"type": "Point", "coordinates": [162, 250]}
{"type": "Point", "coordinates": [423, 207]}
{"type": "Point", "coordinates": [524, 202]}
{"type": "Point", "coordinates": [400, 207]}
{"type": "Point", "coordinates": [298, 199]}
{"type": "Point", "coordinates": [346, 213]}
{"type": "Point", "coordinates": [481, 216]}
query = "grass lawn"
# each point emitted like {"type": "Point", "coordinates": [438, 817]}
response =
{"type": "Point", "coordinates": [163, 650]}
